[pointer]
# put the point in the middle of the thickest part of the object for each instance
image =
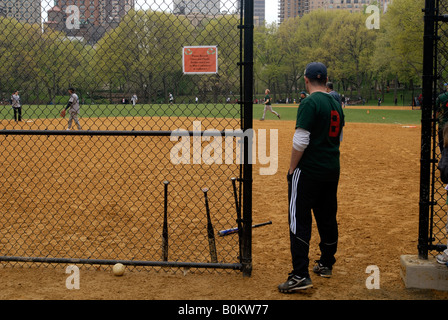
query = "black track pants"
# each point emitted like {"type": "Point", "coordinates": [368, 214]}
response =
{"type": "Point", "coordinates": [320, 197]}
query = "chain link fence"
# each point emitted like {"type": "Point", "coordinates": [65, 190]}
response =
{"type": "Point", "coordinates": [122, 175]}
{"type": "Point", "coordinates": [433, 197]}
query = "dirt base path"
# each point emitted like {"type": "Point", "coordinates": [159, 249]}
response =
{"type": "Point", "coordinates": [378, 222]}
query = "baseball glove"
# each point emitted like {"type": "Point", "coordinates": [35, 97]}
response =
{"type": "Point", "coordinates": [63, 113]}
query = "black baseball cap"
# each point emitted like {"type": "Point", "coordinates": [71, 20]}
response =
{"type": "Point", "coordinates": [316, 70]}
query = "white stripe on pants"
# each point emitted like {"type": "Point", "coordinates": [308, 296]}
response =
{"type": "Point", "coordinates": [292, 202]}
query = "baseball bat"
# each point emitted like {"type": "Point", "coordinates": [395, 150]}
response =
{"type": "Point", "coordinates": [237, 206]}
{"type": "Point", "coordinates": [233, 230]}
{"type": "Point", "coordinates": [238, 213]}
{"type": "Point", "coordinates": [165, 223]}
{"type": "Point", "coordinates": [210, 232]}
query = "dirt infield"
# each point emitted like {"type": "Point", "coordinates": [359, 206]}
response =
{"type": "Point", "coordinates": [378, 222]}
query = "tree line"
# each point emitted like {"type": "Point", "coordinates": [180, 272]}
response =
{"type": "Point", "coordinates": [143, 56]}
{"type": "Point", "coordinates": [362, 62]}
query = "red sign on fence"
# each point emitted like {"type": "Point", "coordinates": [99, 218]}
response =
{"type": "Point", "coordinates": [200, 59]}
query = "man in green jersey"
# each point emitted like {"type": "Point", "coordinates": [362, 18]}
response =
{"type": "Point", "coordinates": [313, 179]}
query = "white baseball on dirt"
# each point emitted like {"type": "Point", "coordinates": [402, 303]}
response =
{"type": "Point", "coordinates": [118, 269]}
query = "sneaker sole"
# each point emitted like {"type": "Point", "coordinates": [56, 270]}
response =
{"type": "Point", "coordinates": [323, 275]}
{"type": "Point", "coordinates": [292, 290]}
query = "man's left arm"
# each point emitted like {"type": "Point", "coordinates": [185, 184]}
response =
{"type": "Point", "coordinates": [300, 142]}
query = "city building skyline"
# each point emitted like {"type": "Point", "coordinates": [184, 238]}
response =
{"type": "Point", "coordinates": [259, 12]}
{"type": "Point", "coordinates": [205, 7]}
{"type": "Point", "coordinates": [293, 8]}
{"type": "Point", "coordinates": [95, 17]}
{"type": "Point", "coordinates": [28, 11]}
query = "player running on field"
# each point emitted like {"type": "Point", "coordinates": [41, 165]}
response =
{"type": "Point", "coordinates": [267, 105]}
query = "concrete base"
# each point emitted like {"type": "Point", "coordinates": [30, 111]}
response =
{"type": "Point", "coordinates": [423, 274]}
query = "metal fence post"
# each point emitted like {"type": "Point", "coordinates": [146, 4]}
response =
{"type": "Point", "coordinates": [246, 258]}
{"type": "Point", "coordinates": [425, 160]}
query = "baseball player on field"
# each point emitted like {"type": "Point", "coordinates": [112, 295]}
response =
{"type": "Point", "coordinates": [313, 179]}
{"type": "Point", "coordinates": [16, 107]}
{"type": "Point", "coordinates": [134, 99]}
{"type": "Point", "coordinates": [73, 109]}
{"type": "Point", "coordinates": [267, 105]}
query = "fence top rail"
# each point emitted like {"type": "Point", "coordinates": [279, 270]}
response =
{"type": "Point", "coordinates": [228, 132]}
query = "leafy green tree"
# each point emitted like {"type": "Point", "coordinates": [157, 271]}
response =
{"type": "Point", "coordinates": [18, 69]}
{"type": "Point", "coordinates": [224, 33]}
{"type": "Point", "coordinates": [293, 63]}
{"type": "Point", "coordinates": [350, 46]}
{"type": "Point", "coordinates": [267, 57]}
{"type": "Point", "coordinates": [143, 53]}
{"type": "Point", "coordinates": [399, 46]}
{"type": "Point", "coordinates": [58, 61]}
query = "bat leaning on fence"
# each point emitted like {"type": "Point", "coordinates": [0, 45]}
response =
{"type": "Point", "coordinates": [210, 232]}
{"type": "Point", "coordinates": [165, 224]}
{"type": "Point", "coordinates": [226, 232]}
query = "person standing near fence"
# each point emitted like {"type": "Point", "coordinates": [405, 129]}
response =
{"type": "Point", "coordinates": [442, 258]}
{"type": "Point", "coordinates": [73, 107]}
{"type": "Point", "coordinates": [16, 106]}
{"type": "Point", "coordinates": [333, 93]}
{"type": "Point", "coordinates": [303, 95]}
{"type": "Point", "coordinates": [442, 114]}
{"type": "Point", "coordinates": [313, 178]}
{"type": "Point", "coordinates": [268, 105]}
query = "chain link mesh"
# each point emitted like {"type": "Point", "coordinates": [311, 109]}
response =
{"type": "Point", "coordinates": [438, 220]}
{"type": "Point", "coordinates": [98, 193]}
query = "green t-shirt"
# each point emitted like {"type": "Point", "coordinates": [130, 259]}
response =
{"type": "Point", "coordinates": [442, 105]}
{"type": "Point", "coordinates": [322, 116]}
{"type": "Point", "coordinates": [268, 100]}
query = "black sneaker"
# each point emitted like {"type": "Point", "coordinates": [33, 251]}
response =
{"type": "Point", "coordinates": [294, 283]}
{"type": "Point", "coordinates": [321, 270]}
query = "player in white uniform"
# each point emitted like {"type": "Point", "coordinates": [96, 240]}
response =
{"type": "Point", "coordinates": [134, 99]}
{"type": "Point", "coordinates": [73, 105]}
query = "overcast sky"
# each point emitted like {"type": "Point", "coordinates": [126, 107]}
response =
{"type": "Point", "coordinates": [271, 10]}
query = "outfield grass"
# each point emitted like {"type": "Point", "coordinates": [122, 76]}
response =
{"type": "Point", "coordinates": [365, 115]}
{"type": "Point", "coordinates": [127, 110]}
{"type": "Point", "coordinates": [373, 115]}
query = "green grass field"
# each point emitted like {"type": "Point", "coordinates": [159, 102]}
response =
{"type": "Point", "coordinates": [127, 110]}
{"type": "Point", "coordinates": [366, 115]}
{"type": "Point", "coordinates": [374, 115]}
